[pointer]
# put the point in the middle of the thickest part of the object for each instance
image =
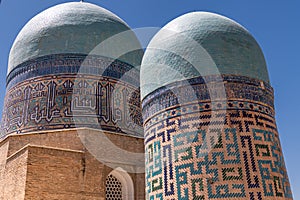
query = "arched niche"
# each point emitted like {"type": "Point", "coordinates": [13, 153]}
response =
{"type": "Point", "coordinates": [126, 183]}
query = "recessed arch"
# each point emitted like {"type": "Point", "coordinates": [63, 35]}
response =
{"type": "Point", "coordinates": [125, 180]}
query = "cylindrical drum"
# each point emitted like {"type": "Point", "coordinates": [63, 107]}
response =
{"type": "Point", "coordinates": [208, 114]}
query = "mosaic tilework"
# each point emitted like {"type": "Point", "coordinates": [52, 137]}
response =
{"type": "Point", "coordinates": [61, 100]}
{"type": "Point", "coordinates": [72, 64]}
{"type": "Point", "coordinates": [237, 87]}
{"type": "Point", "coordinates": [229, 152]}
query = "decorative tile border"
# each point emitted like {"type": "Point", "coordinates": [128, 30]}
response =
{"type": "Point", "coordinates": [229, 152]}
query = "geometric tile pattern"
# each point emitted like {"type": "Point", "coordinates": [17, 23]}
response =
{"type": "Point", "coordinates": [233, 152]}
{"type": "Point", "coordinates": [183, 92]}
{"type": "Point", "coordinates": [61, 100]}
{"type": "Point", "coordinates": [72, 64]}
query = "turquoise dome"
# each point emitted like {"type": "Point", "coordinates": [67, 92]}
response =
{"type": "Point", "coordinates": [74, 27]}
{"type": "Point", "coordinates": [200, 43]}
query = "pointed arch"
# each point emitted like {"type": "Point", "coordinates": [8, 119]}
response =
{"type": "Point", "coordinates": [126, 183]}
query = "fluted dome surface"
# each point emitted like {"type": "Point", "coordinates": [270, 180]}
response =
{"type": "Point", "coordinates": [75, 27]}
{"type": "Point", "coordinates": [174, 52]}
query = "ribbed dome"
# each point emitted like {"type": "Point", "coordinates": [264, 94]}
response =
{"type": "Point", "coordinates": [75, 27]}
{"type": "Point", "coordinates": [225, 47]}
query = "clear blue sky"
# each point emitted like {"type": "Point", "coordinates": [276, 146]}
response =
{"type": "Point", "coordinates": [275, 24]}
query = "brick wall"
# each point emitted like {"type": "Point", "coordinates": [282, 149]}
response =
{"type": "Point", "coordinates": [56, 165]}
{"type": "Point", "coordinates": [14, 181]}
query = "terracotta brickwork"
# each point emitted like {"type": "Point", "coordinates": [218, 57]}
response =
{"type": "Point", "coordinates": [56, 165]}
{"type": "Point", "coordinates": [14, 177]}
{"type": "Point", "coordinates": [50, 172]}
